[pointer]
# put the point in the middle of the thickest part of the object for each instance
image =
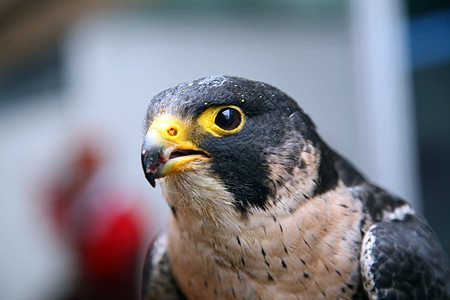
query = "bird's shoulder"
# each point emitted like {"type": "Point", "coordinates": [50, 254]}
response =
{"type": "Point", "coordinates": [400, 255]}
{"type": "Point", "coordinates": [158, 281]}
{"type": "Point", "coordinates": [378, 204]}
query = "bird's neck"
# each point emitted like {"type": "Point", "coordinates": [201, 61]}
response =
{"type": "Point", "coordinates": [217, 228]}
{"type": "Point", "coordinates": [199, 198]}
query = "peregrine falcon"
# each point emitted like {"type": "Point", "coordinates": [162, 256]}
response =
{"type": "Point", "coordinates": [262, 208]}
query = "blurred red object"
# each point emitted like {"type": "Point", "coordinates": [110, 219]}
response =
{"type": "Point", "coordinates": [101, 222]}
{"type": "Point", "coordinates": [109, 253]}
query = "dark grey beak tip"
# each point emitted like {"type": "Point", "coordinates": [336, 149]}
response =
{"type": "Point", "coordinates": [150, 162]}
{"type": "Point", "coordinates": [152, 182]}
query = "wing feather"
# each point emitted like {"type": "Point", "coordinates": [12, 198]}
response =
{"type": "Point", "coordinates": [402, 259]}
{"type": "Point", "coordinates": [158, 281]}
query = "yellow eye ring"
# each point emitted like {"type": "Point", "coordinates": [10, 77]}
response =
{"type": "Point", "coordinates": [222, 120]}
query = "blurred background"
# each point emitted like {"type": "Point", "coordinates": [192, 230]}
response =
{"type": "Point", "coordinates": [76, 212]}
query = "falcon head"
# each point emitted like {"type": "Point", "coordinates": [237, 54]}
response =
{"type": "Point", "coordinates": [230, 145]}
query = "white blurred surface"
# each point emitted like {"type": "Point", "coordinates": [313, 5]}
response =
{"type": "Point", "coordinates": [384, 105]}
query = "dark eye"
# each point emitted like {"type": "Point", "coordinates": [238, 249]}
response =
{"type": "Point", "coordinates": [228, 119]}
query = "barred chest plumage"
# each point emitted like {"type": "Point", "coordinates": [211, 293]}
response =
{"type": "Point", "coordinates": [310, 253]}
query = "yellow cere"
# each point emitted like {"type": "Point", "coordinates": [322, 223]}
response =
{"type": "Point", "coordinates": [172, 130]}
{"type": "Point", "coordinates": [207, 121]}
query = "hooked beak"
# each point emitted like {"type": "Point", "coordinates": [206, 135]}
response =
{"type": "Point", "coordinates": [167, 149]}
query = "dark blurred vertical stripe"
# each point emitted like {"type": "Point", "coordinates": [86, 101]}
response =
{"type": "Point", "coordinates": [429, 36]}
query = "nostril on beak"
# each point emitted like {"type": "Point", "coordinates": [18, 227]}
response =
{"type": "Point", "coordinates": [172, 131]}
